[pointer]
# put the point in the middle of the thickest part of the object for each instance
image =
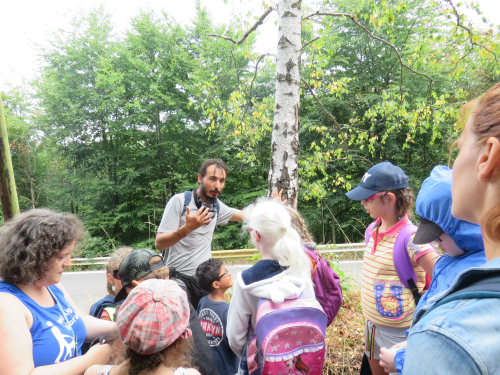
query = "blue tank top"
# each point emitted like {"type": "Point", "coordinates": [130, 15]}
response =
{"type": "Point", "coordinates": [52, 338]}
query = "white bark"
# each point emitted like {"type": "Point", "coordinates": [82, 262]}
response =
{"type": "Point", "coordinates": [285, 146]}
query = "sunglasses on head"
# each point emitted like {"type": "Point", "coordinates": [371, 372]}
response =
{"type": "Point", "coordinates": [369, 199]}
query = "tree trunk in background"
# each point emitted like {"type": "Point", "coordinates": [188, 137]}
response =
{"type": "Point", "coordinates": [8, 193]}
{"type": "Point", "coordinates": [285, 146]}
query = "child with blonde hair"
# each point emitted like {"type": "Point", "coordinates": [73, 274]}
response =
{"type": "Point", "coordinates": [283, 273]}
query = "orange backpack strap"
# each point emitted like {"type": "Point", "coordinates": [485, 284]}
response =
{"type": "Point", "coordinates": [314, 265]}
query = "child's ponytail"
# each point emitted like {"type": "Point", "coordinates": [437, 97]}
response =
{"type": "Point", "coordinates": [289, 251]}
{"type": "Point", "coordinates": [404, 201]}
{"type": "Point", "coordinates": [273, 223]}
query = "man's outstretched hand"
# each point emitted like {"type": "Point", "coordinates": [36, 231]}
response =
{"type": "Point", "coordinates": [277, 195]}
{"type": "Point", "coordinates": [201, 217]}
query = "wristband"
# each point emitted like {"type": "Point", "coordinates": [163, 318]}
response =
{"type": "Point", "coordinates": [179, 233]}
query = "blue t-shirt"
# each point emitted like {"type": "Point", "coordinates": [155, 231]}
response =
{"type": "Point", "coordinates": [213, 319]}
{"type": "Point", "coordinates": [53, 340]}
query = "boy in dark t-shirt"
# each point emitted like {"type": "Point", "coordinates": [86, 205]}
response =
{"type": "Point", "coordinates": [213, 277]}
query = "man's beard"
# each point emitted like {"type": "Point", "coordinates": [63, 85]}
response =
{"type": "Point", "coordinates": [204, 195]}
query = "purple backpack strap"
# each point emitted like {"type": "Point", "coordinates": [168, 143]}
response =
{"type": "Point", "coordinates": [401, 258]}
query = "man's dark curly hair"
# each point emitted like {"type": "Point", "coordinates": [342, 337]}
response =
{"type": "Point", "coordinates": [207, 163]}
{"type": "Point", "coordinates": [207, 273]}
{"type": "Point", "coordinates": [30, 242]}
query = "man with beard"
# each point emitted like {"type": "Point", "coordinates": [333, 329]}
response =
{"type": "Point", "coordinates": [187, 229]}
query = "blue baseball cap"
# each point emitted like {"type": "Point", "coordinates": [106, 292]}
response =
{"type": "Point", "coordinates": [380, 177]}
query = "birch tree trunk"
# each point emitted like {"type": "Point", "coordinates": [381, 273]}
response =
{"type": "Point", "coordinates": [285, 147]}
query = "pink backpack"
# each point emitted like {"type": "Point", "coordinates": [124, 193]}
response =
{"type": "Point", "coordinates": [289, 337]}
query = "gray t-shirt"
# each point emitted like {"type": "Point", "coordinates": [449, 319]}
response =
{"type": "Point", "coordinates": [192, 250]}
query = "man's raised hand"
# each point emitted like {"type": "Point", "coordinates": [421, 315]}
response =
{"type": "Point", "coordinates": [200, 218]}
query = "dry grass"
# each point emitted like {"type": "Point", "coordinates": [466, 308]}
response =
{"type": "Point", "coordinates": [345, 337]}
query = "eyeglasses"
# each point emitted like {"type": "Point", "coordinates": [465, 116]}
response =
{"type": "Point", "coordinates": [115, 275]}
{"type": "Point", "coordinates": [224, 274]}
{"type": "Point", "coordinates": [369, 199]}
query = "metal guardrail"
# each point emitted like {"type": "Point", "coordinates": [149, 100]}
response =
{"type": "Point", "coordinates": [239, 253]}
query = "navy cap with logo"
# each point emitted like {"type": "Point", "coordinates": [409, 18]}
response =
{"type": "Point", "coordinates": [134, 267]}
{"type": "Point", "coordinates": [380, 177]}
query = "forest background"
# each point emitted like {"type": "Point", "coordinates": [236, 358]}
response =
{"type": "Point", "coordinates": [116, 123]}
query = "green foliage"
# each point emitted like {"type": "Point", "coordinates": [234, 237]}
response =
{"type": "Point", "coordinates": [94, 247]}
{"type": "Point", "coordinates": [121, 122]}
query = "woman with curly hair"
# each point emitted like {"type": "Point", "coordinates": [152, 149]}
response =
{"type": "Point", "coordinates": [153, 324]}
{"type": "Point", "coordinates": [42, 328]}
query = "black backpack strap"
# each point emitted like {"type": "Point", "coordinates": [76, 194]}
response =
{"type": "Point", "coordinates": [187, 199]}
{"type": "Point", "coordinates": [414, 290]}
{"type": "Point", "coordinates": [486, 286]}
{"type": "Point", "coordinates": [217, 208]}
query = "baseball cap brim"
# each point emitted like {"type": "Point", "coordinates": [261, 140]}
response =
{"type": "Point", "coordinates": [122, 294]}
{"type": "Point", "coordinates": [360, 193]}
{"type": "Point", "coordinates": [428, 231]}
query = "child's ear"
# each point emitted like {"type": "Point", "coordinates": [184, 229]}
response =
{"type": "Point", "coordinates": [215, 285]}
{"type": "Point", "coordinates": [391, 198]}
{"type": "Point", "coordinates": [111, 280]}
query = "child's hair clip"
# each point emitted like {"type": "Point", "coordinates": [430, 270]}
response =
{"type": "Point", "coordinates": [399, 218]}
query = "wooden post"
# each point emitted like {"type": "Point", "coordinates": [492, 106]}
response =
{"type": "Point", "coordinates": [8, 192]}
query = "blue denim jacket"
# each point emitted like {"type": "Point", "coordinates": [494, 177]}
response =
{"type": "Point", "coordinates": [445, 271]}
{"type": "Point", "coordinates": [460, 337]}
{"type": "Point", "coordinates": [434, 203]}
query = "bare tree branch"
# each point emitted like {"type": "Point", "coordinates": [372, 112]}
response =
{"type": "Point", "coordinates": [251, 89]}
{"type": "Point", "coordinates": [235, 66]}
{"type": "Point", "coordinates": [250, 30]}
{"type": "Point", "coordinates": [392, 46]}
{"type": "Point", "coordinates": [469, 31]}
{"type": "Point", "coordinates": [328, 114]}
{"type": "Point", "coordinates": [305, 45]}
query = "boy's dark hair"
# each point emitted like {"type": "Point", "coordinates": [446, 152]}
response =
{"type": "Point", "coordinates": [218, 164]}
{"type": "Point", "coordinates": [207, 273]}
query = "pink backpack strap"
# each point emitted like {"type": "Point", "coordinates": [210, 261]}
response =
{"type": "Point", "coordinates": [368, 232]}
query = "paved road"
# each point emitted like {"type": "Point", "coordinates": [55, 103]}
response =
{"type": "Point", "coordinates": [86, 287]}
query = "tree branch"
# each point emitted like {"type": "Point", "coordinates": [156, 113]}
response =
{"type": "Point", "coordinates": [392, 46]}
{"type": "Point", "coordinates": [250, 30]}
{"type": "Point", "coordinates": [235, 66]}
{"type": "Point", "coordinates": [469, 31]}
{"type": "Point", "coordinates": [315, 39]}
{"type": "Point", "coordinates": [328, 114]}
{"type": "Point", "coordinates": [251, 90]}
